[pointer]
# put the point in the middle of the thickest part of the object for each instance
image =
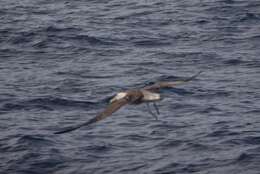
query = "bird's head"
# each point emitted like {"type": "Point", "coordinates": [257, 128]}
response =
{"type": "Point", "coordinates": [118, 96]}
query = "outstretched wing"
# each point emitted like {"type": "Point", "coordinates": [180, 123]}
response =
{"type": "Point", "coordinates": [157, 86]}
{"type": "Point", "coordinates": [111, 108]}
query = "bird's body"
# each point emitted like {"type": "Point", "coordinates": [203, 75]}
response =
{"type": "Point", "coordinates": [137, 96]}
{"type": "Point", "coordinates": [133, 97]}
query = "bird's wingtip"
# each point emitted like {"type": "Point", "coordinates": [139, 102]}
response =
{"type": "Point", "coordinates": [194, 76]}
{"type": "Point", "coordinates": [65, 130]}
{"type": "Point", "coordinates": [61, 132]}
{"type": "Point", "coordinates": [200, 72]}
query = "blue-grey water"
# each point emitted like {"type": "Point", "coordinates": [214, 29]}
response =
{"type": "Point", "coordinates": [61, 61]}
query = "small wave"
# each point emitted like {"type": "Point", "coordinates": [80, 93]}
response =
{"type": "Point", "coordinates": [133, 167]}
{"type": "Point", "coordinates": [232, 62]}
{"type": "Point", "coordinates": [249, 158]}
{"type": "Point", "coordinates": [222, 133]}
{"type": "Point", "coordinates": [93, 40]}
{"type": "Point", "coordinates": [60, 101]}
{"type": "Point", "coordinates": [97, 148]}
{"type": "Point", "coordinates": [244, 157]}
{"type": "Point", "coordinates": [40, 43]}
{"type": "Point", "coordinates": [22, 37]}
{"type": "Point", "coordinates": [193, 146]}
{"type": "Point", "coordinates": [135, 137]}
{"type": "Point", "coordinates": [249, 17]}
{"type": "Point", "coordinates": [253, 111]}
{"type": "Point", "coordinates": [34, 139]}
{"type": "Point", "coordinates": [253, 64]}
{"type": "Point", "coordinates": [210, 109]}
{"type": "Point", "coordinates": [178, 106]}
{"type": "Point", "coordinates": [48, 103]}
{"type": "Point", "coordinates": [169, 167]}
{"type": "Point", "coordinates": [228, 1]}
{"type": "Point", "coordinates": [23, 142]}
{"type": "Point", "coordinates": [251, 140]}
{"type": "Point", "coordinates": [14, 106]}
{"type": "Point", "coordinates": [151, 43]}
{"type": "Point", "coordinates": [61, 29]}
{"type": "Point", "coordinates": [166, 144]}
{"type": "Point", "coordinates": [213, 93]}
{"type": "Point", "coordinates": [133, 15]}
{"type": "Point", "coordinates": [202, 21]}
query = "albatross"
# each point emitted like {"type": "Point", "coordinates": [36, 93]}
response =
{"type": "Point", "coordinates": [148, 94]}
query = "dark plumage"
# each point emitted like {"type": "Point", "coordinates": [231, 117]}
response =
{"type": "Point", "coordinates": [137, 96]}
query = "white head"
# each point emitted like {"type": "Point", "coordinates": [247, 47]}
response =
{"type": "Point", "coordinates": [118, 96]}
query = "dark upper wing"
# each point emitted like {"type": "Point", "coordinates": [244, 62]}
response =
{"type": "Point", "coordinates": [111, 108]}
{"type": "Point", "coordinates": [157, 86]}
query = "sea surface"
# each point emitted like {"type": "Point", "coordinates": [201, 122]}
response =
{"type": "Point", "coordinates": [61, 61]}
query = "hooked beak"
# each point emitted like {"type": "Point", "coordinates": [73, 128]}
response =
{"type": "Point", "coordinates": [112, 100]}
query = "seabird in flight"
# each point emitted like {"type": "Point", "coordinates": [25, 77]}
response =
{"type": "Point", "coordinates": [148, 94]}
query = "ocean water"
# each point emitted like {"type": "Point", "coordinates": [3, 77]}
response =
{"type": "Point", "coordinates": [61, 61]}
